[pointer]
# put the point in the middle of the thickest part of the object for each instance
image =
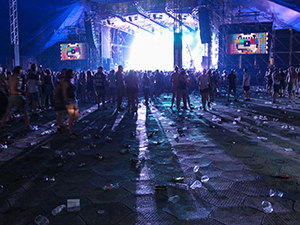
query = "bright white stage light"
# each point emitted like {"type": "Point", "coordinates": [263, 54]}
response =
{"type": "Point", "coordinates": [152, 52]}
{"type": "Point", "coordinates": [193, 50]}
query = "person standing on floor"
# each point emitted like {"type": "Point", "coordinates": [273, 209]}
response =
{"type": "Point", "coordinates": [276, 81]}
{"type": "Point", "coordinates": [112, 86]}
{"type": "Point", "coordinates": [203, 82]}
{"type": "Point", "coordinates": [100, 84]}
{"type": "Point", "coordinates": [146, 87]}
{"type": "Point", "coordinates": [182, 89]}
{"type": "Point", "coordinates": [120, 86]}
{"type": "Point", "coordinates": [58, 103]}
{"type": "Point", "coordinates": [232, 85]}
{"type": "Point", "coordinates": [292, 83]}
{"type": "Point", "coordinates": [174, 81]}
{"type": "Point", "coordinates": [246, 84]}
{"type": "Point", "coordinates": [32, 88]}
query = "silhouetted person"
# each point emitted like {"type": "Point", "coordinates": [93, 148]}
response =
{"type": "Point", "coordinates": [120, 86]}
{"type": "Point", "coordinates": [100, 84]}
{"type": "Point", "coordinates": [16, 98]}
{"type": "Point", "coordinates": [246, 84]}
{"type": "Point", "coordinates": [69, 93]}
{"type": "Point", "coordinates": [232, 84]}
{"type": "Point", "coordinates": [174, 81]}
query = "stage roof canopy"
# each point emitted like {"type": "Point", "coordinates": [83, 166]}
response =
{"type": "Point", "coordinates": [43, 23]}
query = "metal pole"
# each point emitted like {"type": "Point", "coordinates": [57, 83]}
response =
{"type": "Point", "coordinates": [177, 34]}
{"type": "Point", "coordinates": [14, 31]}
{"type": "Point", "coordinates": [291, 47]}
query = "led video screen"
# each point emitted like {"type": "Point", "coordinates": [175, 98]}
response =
{"type": "Point", "coordinates": [76, 51]}
{"type": "Point", "coordinates": [253, 43]}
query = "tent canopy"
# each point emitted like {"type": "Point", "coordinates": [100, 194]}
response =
{"type": "Point", "coordinates": [43, 23]}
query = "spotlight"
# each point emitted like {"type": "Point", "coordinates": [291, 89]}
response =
{"type": "Point", "coordinates": [154, 16]}
{"type": "Point", "coordinates": [130, 18]}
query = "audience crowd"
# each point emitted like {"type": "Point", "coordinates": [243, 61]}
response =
{"type": "Point", "coordinates": [42, 89]}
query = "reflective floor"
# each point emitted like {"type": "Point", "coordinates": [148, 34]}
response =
{"type": "Point", "coordinates": [238, 163]}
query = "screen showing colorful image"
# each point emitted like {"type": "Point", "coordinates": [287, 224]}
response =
{"type": "Point", "coordinates": [76, 51]}
{"type": "Point", "coordinates": [253, 43]}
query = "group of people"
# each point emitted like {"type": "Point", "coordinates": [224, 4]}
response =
{"type": "Point", "coordinates": [280, 80]}
{"type": "Point", "coordinates": [43, 89]}
{"type": "Point", "coordinates": [17, 89]}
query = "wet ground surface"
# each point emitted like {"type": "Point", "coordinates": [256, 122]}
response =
{"type": "Point", "coordinates": [245, 148]}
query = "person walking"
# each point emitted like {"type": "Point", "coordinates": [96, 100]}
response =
{"type": "Point", "coordinates": [69, 94]}
{"type": "Point", "coordinates": [16, 98]}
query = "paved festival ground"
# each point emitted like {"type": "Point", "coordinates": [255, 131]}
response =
{"type": "Point", "coordinates": [245, 149]}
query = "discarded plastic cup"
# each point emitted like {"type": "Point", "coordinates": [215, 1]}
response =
{"type": "Point", "coordinates": [81, 165]}
{"type": "Point", "coordinates": [178, 180]}
{"type": "Point", "coordinates": [272, 193]}
{"type": "Point", "coordinates": [196, 184]}
{"type": "Point", "coordinates": [41, 220]}
{"type": "Point", "coordinates": [196, 169]}
{"type": "Point", "coordinates": [100, 212]}
{"type": "Point", "coordinates": [71, 153]}
{"type": "Point", "coordinates": [50, 179]}
{"type": "Point", "coordinates": [124, 151]}
{"type": "Point", "coordinates": [279, 194]}
{"type": "Point", "coordinates": [174, 199]}
{"type": "Point", "coordinates": [3, 146]}
{"type": "Point", "coordinates": [73, 205]}
{"type": "Point", "coordinates": [181, 186]}
{"type": "Point", "coordinates": [86, 137]}
{"type": "Point", "coordinates": [267, 207]}
{"type": "Point", "coordinates": [46, 132]}
{"type": "Point", "coordinates": [262, 138]}
{"type": "Point", "coordinates": [110, 187]}
{"type": "Point", "coordinates": [204, 179]}
{"type": "Point", "coordinates": [58, 209]}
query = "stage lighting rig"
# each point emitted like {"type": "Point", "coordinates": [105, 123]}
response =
{"type": "Point", "coordinates": [130, 22]}
{"type": "Point", "coordinates": [146, 15]}
{"type": "Point", "coordinates": [169, 12]}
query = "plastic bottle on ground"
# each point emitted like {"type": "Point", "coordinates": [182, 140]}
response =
{"type": "Point", "coordinates": [272, 193]}
{"type": "Point", "coordinates": [58, 209]}
{"type": "Point", "coordinates": [174, 199]}
{"type": "Point", "coordinates": [196, 169]}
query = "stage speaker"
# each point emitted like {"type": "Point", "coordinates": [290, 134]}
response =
{"type": "Point", "coordinates": [204, 25]}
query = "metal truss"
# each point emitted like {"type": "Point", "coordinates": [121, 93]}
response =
{"type": "Point", "coordinates": [14, 30]}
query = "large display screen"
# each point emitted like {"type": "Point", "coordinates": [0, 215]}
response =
{"type": "Point", "coordinates": [76, 51]}
{"type": "Point", "coordinates": [253, 43]}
